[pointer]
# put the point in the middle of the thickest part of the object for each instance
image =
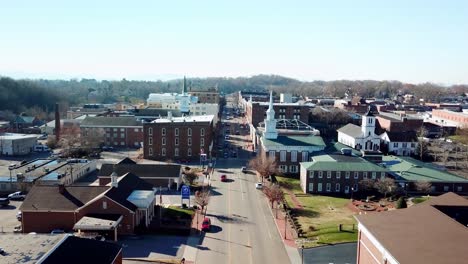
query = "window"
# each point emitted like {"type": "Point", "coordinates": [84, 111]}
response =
{"type": "Point", "coordinates": [150, 141]}
{"type": "Point", "coordinates": [104, 205]}
{"type": "Point", "coordinates": [305, 156]}
{"type": "Point", "coordinates": [176, 132]}
{"type": "Point", "coordinates": [294, 156]}
{"type": "Point", "coordinates": [176, 152]}
{"type": "Point", "coordinates": [404, 144]}
{"type": "Point", "coordinates": [122, 130]}
{"type": "Point", "coordinates": [202, 142]}
{"type": "Point", "coordinates": [283, 155]}
{"type": "Point", "coordinates": [135, 130]}
{"type": "Point", "coordinates": [328, 187]}
{"type": "Point", "coordinates": [107, 134]}
{"type": "Point", "coordinates": [338, 174]}
{"type": "Point", "coordinates": [374, 175]}
{"type": "Point", "coordinates": [395, 144]}
{"type": "Point", "coordinates": [150, 151]}
{"type": "Point", "coordinates": [163, 152]}
{"type": "Point", "coordinates": [293, 168]}
{"type": "Point", "coordinates": [382, 175]}
{"type": "Point", "coordinates": [189, 141]}
{"type": "Point", "coordinates": [446, 188]}
{"type": "Point", "coordinates": [347, 175]}
{"type": "Point", "coordinates": [459, 188]}
{"type": "Point", "coordinates": [364, 175]}
{"type": "Point", "coordinates": [189, 152]}
{"type": "Point", "coordinates": [122, 143]}
{"type": "Point", "coordinates": [283, 168]}
{"type": "Point", "coordinates": [189, 132]}
{"type": "Point", "coordinates": [163, 131]}
{"type": "Point", "coordinates": [116, 143]}
{"type": "Point", "coordinates": [311, 187]}
{"type": "Point", "coordinates": [115, 129]}
{"type": "Point", "coordinates": [176, 141]}
{"type": "Point", "coordinates": [328, 174]}
{"type": "Point", "coordinates": [412, 145]}
{"type": "Point", "coordinates": [346, 189]}
{"type": "Point", "coordinates": [202, 132]}
{"type": "Point", "coordinates": [337, 187]}
{"type": "Point", "coordinates": [319, 187]}
{"type": "Point", "coordinates": [356, 175]}
{"type": "Point", "coordinates": [163, 141]}
{"type": "Point", "coordinates": [355, 187]}
{"type": "Point", "coordinates": [271, 154]}
{"type": "Point", "coordinates": [311, 174]}
{"type": "Point", "coordinates": [320, 174]}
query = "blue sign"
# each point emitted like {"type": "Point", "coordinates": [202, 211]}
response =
{"type": "Point", "coordinates": [185, 192]}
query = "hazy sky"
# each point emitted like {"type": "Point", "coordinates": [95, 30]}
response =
{"type": "Point", "coordinates": [408, 40]}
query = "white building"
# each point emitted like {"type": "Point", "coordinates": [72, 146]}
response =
{"type": "Point", "coordinates": [360, 137]}
{"type": "Point", "coordinates": [400, 143]}
{"type": "Point", "coordinates": [12, 144]}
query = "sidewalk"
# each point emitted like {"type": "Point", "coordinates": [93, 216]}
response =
{"type": "Point", "coordinates": [287, 235]}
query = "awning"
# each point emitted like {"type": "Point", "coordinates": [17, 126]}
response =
{"type": "Point", "coordinates": [97, 224]}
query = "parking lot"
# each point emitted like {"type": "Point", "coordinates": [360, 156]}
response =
{"type": "Point", "coordinates": [8, 216]}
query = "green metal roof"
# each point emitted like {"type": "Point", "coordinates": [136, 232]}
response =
{"type": "Point", "coordinates": [341, 163]}
{"type": "Point", "coordinates": [310, 140]}
{"type": "Point", "coordinates": [336, 148]}
{"type": "Point", "coordinates": [414, 170]}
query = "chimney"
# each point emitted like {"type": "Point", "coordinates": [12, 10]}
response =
{"type": "Point", "coordinates": [114, 182]}
{"type": "Point", "coordinates": [57, 122]}
{"type": "Point", "coordinates": [169, 115]}
{"type": "Point", "coordinates": [61, 188]}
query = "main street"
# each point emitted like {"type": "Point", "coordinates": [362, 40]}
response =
{"type": "Point", "coordinates": [243, 228]}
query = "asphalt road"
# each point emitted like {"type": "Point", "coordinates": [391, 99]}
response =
{"type": "Point", "coordinates": [243, 229]}
{"type": "Point", "coordinates": [335, 254]}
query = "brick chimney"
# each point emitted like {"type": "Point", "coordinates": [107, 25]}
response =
{"type": "Point", "coordinates": [61, 188]}
{"type": "Point", "coordinates": [57, 122]}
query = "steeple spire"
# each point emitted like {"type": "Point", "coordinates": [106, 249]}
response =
{"type": "Point", "coordinates": [184, 89]}
{"type": "Point", "coordinates": [270, 121]}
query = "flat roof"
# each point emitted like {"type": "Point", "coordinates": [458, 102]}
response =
{"type": "Point", "coordinates": [14, 136]}
{"type": "Point", "coordinates": [94, 223]}
{"type": "Point", "coordinates": [283, 140]}
{"type": "Point", "coordinates": [27, 248]}
{"type": "Point", "coordinates": [202, 118]}
{"type": "Point", "coordinates": [410, 169]}
{"type": "Point", "coordinates": [341, 163]}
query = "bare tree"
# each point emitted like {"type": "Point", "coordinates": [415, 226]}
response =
{"type": "Point", "coordinates": [190, 176]}
{"type": "Point", "coordinates": [274, 194]}
{"type": "Point", "coordinates": [367, 184]}
{"type": "Point", "coordinates": [422, 144]}
{"type": "Point", "coordinates": [385, 186]}
{"type": "Point", "coordinates": [423, 186]}
{"type": "Point", "coordinates": [264, 166]}
{"type": "Point", "coordinates": [94, 138]}
{"type": "Point", "coordinates": [70, 138]}
{"type": "Point", "coordinates": [202, 198]}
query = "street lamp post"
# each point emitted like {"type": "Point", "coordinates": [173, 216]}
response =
{"type": "Point", "coordinates": [302, 254]}
{"type": "Point", "coordinates": [352, 192]}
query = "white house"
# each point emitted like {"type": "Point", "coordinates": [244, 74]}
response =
{"type": "Point", "coordinates": [400, 143]}
{"type": "Point", "coordinates": [360, 137]}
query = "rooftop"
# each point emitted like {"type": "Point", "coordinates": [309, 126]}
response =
{"type": "Point", "coordinates": [409, 169]}
{"type": "Point", "coordinates": [14, 136]}
{"type": "Point", "coordinates": [27, 249]}
{"type": "Point", "coordinates": [341, 163]}
{"type": "Point", "coordinates": [102, 121]}
{"type": "Point", "coordinates": [334, 148]}
{"type": "Point", "coordinates": [351, 130]}
{"type": "Point", "coordinates": [421, 233]}
{"type": "Point", "coordinates": [202, 118]}
{"type": "Point", "coordinates": [281, 140]}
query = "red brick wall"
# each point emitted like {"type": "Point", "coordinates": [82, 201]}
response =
{"type": "Point", "coordinates": [364, 254]}
{"type": "Point", "coordinates": [45, 222]}
{"type": "Point", "coordinates": [257, 113]}
{"type": "Point", "coordinates": [110, 136]}
{"type": "Point", "coordinates": [455, 117]}
{"type": "Point", "coordinates": [333, 180]}
{"type": "Point", "coordinates": [183, 140]}
{"type": "Point", "coordinates": [126, 226]}
{"type": "Point", "coordinates": [399, 126]}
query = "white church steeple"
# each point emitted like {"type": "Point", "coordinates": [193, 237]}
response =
{"type": "Point", "coordinates": [270, 121]}
{"type": "Point", "coordinates": [368, 123]}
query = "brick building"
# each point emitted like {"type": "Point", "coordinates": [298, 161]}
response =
{"type": "Point", "coordinates": [431, 232]}
{"type": "Point", "coordinates": [337, 174]}
{"type": "Point", "coordinates": [126, 202]}
{"type": "Point", "coordinates": [178, 138]}
{"type": "Point", "coordinates": [209, 96]}
{"type": "Point", "coordinates": [397, 122]}
{"type": "Point", "coordinates": [123, 131]}
{"type": "Point", "coordinates": [458, 119]}
{"type": "Point", "coordinates": [255, 112]}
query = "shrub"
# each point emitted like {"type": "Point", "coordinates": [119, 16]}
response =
{"type": "Point", "coordinates": [401, 203]}
{"type": "Point", "coordinates": [312, 228]}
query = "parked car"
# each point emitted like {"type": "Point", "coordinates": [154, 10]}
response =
{"type": "Point", "coordinates": [17, 196]}
{"type": "Point", "coordinates": [244, 169]}
{"type": "Point", "coordinates": [226, 137]}
{"type": "Point", "coordinates": [206, 225]}
{"type": "Point", "coordinates": [107, 148]}
{"type": "Point", "coordinates": [226, 155]}
{"type": "Point", "coordinates": [17, 229]}
{"type": "Point", "coordinates": [12, 166]}
{"type": "Point", "coordinates": [4, 201]}
{"type": "Point", "coordinates": [41, 148]}
{"type": "Point", "coordinates": [223, 178]}
{"type": "Point", "coordinates": [57, 231]}
{"type": "Point", "coordinates": [258, 185]}
{"type": "Point", "coordinates": [237, 132]}
{"type": "Point", "coordinates": [19, 216]}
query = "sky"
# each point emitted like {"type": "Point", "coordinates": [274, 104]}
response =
{"type": "Point", "coordinates": [411, 41]}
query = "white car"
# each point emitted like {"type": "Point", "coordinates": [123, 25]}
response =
{"type": "Point", "coordinates": [258, 185]}
{"type": "Point", "coordinates": [17, 196]}
{"type": "Point", "coordinates": [244, 169]}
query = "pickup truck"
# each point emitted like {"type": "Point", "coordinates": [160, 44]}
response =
{"type": "Point", "coordinates": [4, 201]}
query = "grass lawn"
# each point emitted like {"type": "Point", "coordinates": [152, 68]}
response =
{"type": "Point", "coordinates": [420, 199]}
{"type": "Point", "coordinates": [323, 214]}
{"type": "Point", "coordinates": [459, 138]}
{"type": "Point", "coordinates": [174, 211]}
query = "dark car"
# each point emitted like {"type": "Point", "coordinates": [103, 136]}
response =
{"type": "Point", "coordinates": [4, 201]}
{"type": "Point", "coordinates": [223, 178]}
{"type": "Point", "coordinates": [237, 132]}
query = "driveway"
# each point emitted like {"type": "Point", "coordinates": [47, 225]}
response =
{"type": "Point", "coordinates": [8, 216]}
{"type": "Point", "coordinates": [336, 254]}
{"type": "Point", "coordinates": [153, 246]}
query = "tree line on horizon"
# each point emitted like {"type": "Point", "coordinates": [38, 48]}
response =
{"type": "Point", "coordinates": [38, 97]}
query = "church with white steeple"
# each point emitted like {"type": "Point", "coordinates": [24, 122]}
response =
{"type": "Point", "coordinates": [361, 137]}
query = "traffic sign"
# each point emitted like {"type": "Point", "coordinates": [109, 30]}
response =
{"type": "Point", "coordinates": [185, 192]}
